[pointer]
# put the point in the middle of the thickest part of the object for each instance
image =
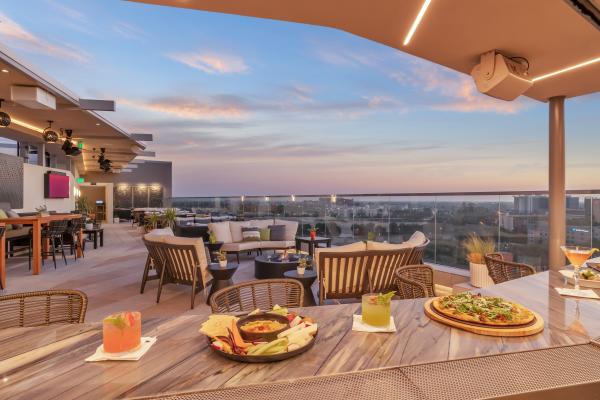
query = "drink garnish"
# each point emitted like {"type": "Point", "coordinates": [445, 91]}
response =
{"type": "Point", "coordinates": [385, 299]}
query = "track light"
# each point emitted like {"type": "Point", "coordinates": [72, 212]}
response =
{"type": "Point", "coordinates": [4, 117]}
{"type": "Point", "coordinates": [49, 135]}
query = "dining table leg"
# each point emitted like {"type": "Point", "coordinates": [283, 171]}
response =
{"type": "Point", "coordinates": [2, 263]}
{"type": "Point", "coordinates": [80, 247]}
{"type": "Point", "coordinates": [36, 267]}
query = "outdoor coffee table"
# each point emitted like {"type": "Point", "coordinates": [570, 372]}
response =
{"type": "Point", "coordinates": [271, 266]}
{"type": "Point", "coordinates": [221, 277]}
{"type": "Point", "coordinates": [312, 243]}
{"type": "Point", "coordinates": [306, 280]}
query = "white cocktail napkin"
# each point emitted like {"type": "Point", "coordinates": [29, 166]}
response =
{"type": "Point", "coordinates": [584, 293]}
{"type": "Point", "coordinates": [100, 355]}
{"type": "Point", "coordinates": [359, 325]}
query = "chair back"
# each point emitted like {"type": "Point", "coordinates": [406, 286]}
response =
{"type": "Point", "coordinates": [263, 294]}
{"type": "Point", "coordinates": [343, 274]}
{"type": "Point", "coordinates": [381, 268]}
{"type": "Point", "coordinates": [55, 228]}
{"type": "Point", "coordinates": [74, 225]}
{"type": "Point", "coordinates": [155, 253]}
{"type": "Point", "coordinates": [182, 264]}
{"type": "Point", "coordinates": [502, 271]}
{"type": "Point", "coordinates": [416, 258]}
{"type": "Point", "coordinates": [414, 281]}
{"type": "Point", "coordinates": [42, 308]}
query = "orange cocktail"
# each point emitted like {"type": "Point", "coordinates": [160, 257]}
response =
{"type": "Point", "coordinates": [577, 255]}
{"type": "Point", "coordinates": [122, 331]}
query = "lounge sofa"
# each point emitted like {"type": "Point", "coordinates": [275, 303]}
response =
{"type": "Point", "coordinates": [230, 233]}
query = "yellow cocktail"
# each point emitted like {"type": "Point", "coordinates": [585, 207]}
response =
{"type": "Point", "coordinates": [577, 255]}
{"type": "Point", "coordinates": [376, 309]}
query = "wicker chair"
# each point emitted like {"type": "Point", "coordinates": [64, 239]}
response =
{"type": "Point", "coordinates": [53, 233]}
{"type": "Point", "coordinates": [502, 271]}
{"type": "Point", "coordinates": [416, 258]}
{"type": "Point", "coordinates": [42, 308]}
{"type": "Point", "coordinates": [263, 294]}
{"type": "Point", "coordinates": [72, 238]}
{"type": "Point", "coordinates": [415, 281]}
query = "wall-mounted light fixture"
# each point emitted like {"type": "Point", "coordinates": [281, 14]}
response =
{"type": "Point", "coordinates": [4, 117]}
{"type": "Point", "coordinates": [49, 135]}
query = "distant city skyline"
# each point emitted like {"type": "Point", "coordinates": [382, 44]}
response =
{"type": "Point", "coordinates": [252, 106]}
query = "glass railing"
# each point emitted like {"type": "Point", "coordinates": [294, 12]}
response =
{"type": "Point", "coordinates": [516, 221]}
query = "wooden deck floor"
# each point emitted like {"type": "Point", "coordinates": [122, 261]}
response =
{"type": "Point", "coordinates": [111, 277]}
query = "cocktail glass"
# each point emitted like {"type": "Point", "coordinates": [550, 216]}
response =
{"type": "Point", "coordinates": [376, 309]}
{"type": "Point", "coordinates": [577, 256]}
{"type": "Point", "coordinates": [122, 331]}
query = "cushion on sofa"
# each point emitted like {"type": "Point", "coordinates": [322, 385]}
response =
{"type": "Point", "coordinates": [265, 234]}
{"type": "Point", "coordinates": [241, 246]}
{"type": "Point", "coordinates": [261, 223]}
{"type": "Point", "coordinates": [17, 233]}
{"type": "Point", "coordinates": [4, 215]}
{"type": "Point", "coordinates": [13, 214]}
{"type": "Point", "coordinates": [236, 230]}
{"type": "Point", "coordinates": [221, 231]}
{"type": "Point", "coordinates": [418, 238]}
{"type": "Point", "coordinates": [201, 252]}
{"type": "Point", "coordinates": [291, 228]}
{"type": "Point", "coordinates": [281, 244]}
{"type": "Point", "coordinates": [250, 234]}
{"type": "Point", "coordinates": [347, 248]}
{"type": "Point", "coordinates": [387, 246]}
{"type": "Point", "coordinates": [277, 232]}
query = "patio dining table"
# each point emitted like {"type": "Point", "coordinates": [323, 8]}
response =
{"type": "Point", "coordinates": [48, 362]}
{"type": "Point", "coordinates": [36, 223]}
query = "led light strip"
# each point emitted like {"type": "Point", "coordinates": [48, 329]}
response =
{"type": "Point", "coordinates": [572, 67]}
{"type": "Point", "coordinates": [26, 125]}
{"type": "Point", "coordinates": [416, 22]}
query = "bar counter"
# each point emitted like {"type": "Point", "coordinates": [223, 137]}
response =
{"type": "Point", "coordinates": [47, 362]}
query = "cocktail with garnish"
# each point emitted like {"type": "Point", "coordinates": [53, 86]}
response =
{"type": "Point", "coordinates": [577, 256]}
{"type": "Point", "coordinates": [122, 331]}
{"type": "Point", "coordinates": [376, 308]}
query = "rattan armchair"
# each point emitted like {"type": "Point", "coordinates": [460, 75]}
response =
{"type": "Point", "coordinates": [416, 258]}
{"type": "Point", "coordinates": [263, 294]}
{"type": "Point", "coordinates": [502, 271]}
{"type": "Point", "coordinates": [415, 281]}
{"type": "Point", "coordinates": [42, 308]}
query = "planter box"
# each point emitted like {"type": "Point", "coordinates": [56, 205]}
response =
{"type": "Point", "coordinates": [479, 275]}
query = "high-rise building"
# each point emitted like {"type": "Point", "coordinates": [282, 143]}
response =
{"type": "Point", "coordinates": [530, 204]}
{"type": "Point", "coordinates": [592, 209]}
{"type": "Point", "coordinates": [572, 203]}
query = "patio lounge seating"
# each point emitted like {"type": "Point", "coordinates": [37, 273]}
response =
{"type": "Point", "coordinates": [502, 271]}
{"type": "Point", "coordinates": [350, 271]}
{"type": "Point", "coordinates": [230, 233]}
{"type": "Point", "coordinates": [263, 294]}
{"type": "Point", "coordinates": [178, 260]}
{"type": "Point", "coordinates": [42, 308]}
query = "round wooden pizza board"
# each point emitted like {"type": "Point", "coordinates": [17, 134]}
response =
{"type": "Point", "coordinates": [536, 326]}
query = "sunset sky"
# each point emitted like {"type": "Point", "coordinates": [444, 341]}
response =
{"type": "Point", "coordinates": [250, 106]}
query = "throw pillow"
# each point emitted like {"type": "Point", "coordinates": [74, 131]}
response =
{"type": "Point", "coordinates": [12, 214]}
{"type": "Point", "coordinates": [4, 215]}
{"type": "Point", "coordinates": [265, 234]}
{"type": "Point", "coordinates": [277, 233]}
{"type": "Point", "coordinates": [250, 234]}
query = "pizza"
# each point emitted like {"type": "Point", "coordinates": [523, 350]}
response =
{"type": "Point", "coordinates": [487, 310]}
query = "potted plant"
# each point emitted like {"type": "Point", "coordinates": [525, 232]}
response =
{"type": "Point", "coordinates": [212, 238]}
{"type": "Point", "coordinates": [81, 205]}
{"type": "Point", "coordinates": [301, 266]}
{"type": "Point", "coordinates": [169, 217]}
{"type": "Point", "coordinates": [477, 248]}
{"type": "Point", "coordinates": [222, 257]}
{"type": "Point", "coordinates": [152, 221]}
{"type": "Point", "coordinates": [313, 232]}
{"type": "Point", "coordinates": [371, 236]}
{"type": "Point", "coordinates": [42, 210]}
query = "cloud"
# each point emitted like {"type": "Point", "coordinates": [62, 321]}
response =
{"type": "Point", "coordinates": [68, 11]}
{"type": "Point", "coordinates": [128, 31]}
{"type": "Point", "coordinates": [459, 92]}
{"type": "Point", "coordinates": [346, 57]}
{"type": "Point", "coordinates": [20, 38]}
{"type": "Point", "coordinates": [216, 107]}
{"type": "Point", "coordinates": [211, 63]}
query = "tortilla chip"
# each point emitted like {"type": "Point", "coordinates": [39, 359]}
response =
{"type": "Point", "coordinates": [217, 325]}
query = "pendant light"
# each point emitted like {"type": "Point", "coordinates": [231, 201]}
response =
{"type": "Point", "coordinates": [49, 135]}
{"type": "Point", "coordinates": [4, 117]}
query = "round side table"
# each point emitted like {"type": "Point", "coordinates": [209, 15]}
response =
{"type": "Point", "coordinates": [212, 249]}
{"type": "Point", "coordinates": [306, 280]}
{"type": "Point", "coordinates": [221, 277]}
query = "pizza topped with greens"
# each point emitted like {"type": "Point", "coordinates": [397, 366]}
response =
{"type": "Point", "coordinates": [486, 310]}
